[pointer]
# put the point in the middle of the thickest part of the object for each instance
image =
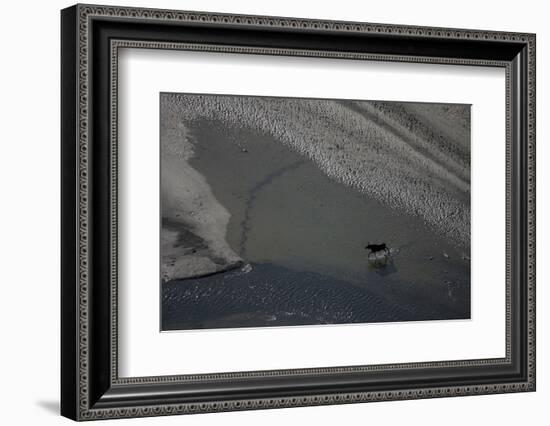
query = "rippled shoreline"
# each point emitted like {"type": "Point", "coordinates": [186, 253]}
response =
{"type": "Point", "coordinates": [270, 295]}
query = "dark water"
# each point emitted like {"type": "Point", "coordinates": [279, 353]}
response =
{"type": "Point", "coordinates": [271, 295]}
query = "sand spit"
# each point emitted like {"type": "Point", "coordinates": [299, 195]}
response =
{"type": "Point", "coordinates": [412, 157]}
{"type": "Point", "coordinates": [193, 222]}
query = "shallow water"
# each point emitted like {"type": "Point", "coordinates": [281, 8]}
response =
{"type": "Point", "coordinates": [271, 295]}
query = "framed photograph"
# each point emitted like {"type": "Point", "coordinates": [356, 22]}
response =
{"type": "Point", "coordinates": [263, 212]}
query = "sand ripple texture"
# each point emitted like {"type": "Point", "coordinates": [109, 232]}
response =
{"type": "Point", "coordinates": [413, 157]}
{"type": "Point", "coordinates": [270, 295]}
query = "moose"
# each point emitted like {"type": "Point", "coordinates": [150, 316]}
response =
{"type": "Point", "coordinates": [376, 248]}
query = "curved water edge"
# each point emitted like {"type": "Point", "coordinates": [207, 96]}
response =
{"type": "Point", "coordinates": [194, 223]}
{"type": "Point", "coordinates": [408, 164]}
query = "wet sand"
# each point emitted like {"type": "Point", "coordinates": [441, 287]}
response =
{"type": "Point", "coordinates": [271, 295]}
{"type": "Point", "coordinates": [412, 157]}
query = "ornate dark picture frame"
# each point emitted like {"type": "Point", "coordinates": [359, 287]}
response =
{"type": "Point", "coordinates": [90, 38]}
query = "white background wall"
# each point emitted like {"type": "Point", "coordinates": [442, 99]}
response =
{"type": "Point", "coordinates": [29, 213]}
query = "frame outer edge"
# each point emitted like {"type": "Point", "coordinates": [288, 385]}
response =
{"type": "Point", "coordinates": [83, 84]}
{"type": "Point", "coordinates": [69, 191]}
{"type": "Point", "coordinates": [83, 12]}
{"type": "Point", "coordinates": [531, 200]}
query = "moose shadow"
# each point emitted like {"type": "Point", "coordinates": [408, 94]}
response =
{"type": "Point", "coordinates": [380, 259]}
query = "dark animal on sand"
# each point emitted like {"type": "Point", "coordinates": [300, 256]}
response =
{"type": "Point", "coordinates": [375, 248]}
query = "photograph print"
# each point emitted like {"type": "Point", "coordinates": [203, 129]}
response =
{"type": "Point", "coordinates": [281, 211]}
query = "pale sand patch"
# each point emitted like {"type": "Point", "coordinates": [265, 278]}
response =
{"type": "Point", "coordinates": [189, 205]}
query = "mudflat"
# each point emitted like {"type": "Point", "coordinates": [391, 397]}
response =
{"type": "Point", "coordinates": [282, 241]}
